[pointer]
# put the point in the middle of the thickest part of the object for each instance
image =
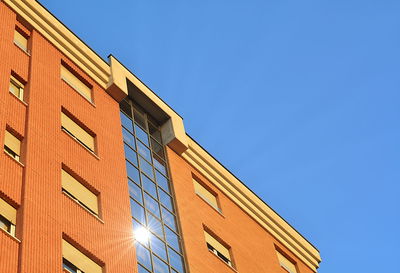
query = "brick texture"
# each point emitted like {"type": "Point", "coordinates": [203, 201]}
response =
{"type": "Point", "coordinates": [45, 214]}
{"type": "Point", "coordinates": [253, 248]}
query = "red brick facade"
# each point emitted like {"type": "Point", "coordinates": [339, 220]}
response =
{"type": "Point", "coordinates": [45, 215]}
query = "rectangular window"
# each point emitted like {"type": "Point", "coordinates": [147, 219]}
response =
{"type": "Point", "coordinates": [79, 192]}
{"type": "Point", "coordinates": [217, 248]}
{"type": "Point", "coordinates": [16, 88]}
{"type": "Point", "coordinates": [286, 263]}
{"type": "Point", "coordinates": [206, 195]}
{"type": "Point", "coordinates": [72, 80]}
{"type": "Point", "coordinates": [75, 261]}
{"type": "Point", "coordinates": [8, 217]}
{"type": "Point", "coordinates": [21, 39]}
{"type": "Point", "coordinates": [12, 146]}
{"type": "Point", "coordinates": [77, 132]}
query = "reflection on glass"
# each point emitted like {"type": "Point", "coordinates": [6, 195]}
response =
{"type": "Point", "coordinates": [130, 154]}
{"type": "Point", "coordinates": [146, 167]}
{"type": "Point", "coordinates": [169, 219]}
{"type": "Point", "coordinates": [143, 255]}
{"type": "Point", "coordinates": [154, 225]}
{"type": "Point", "coordinates": [158, 247]}
{"type": "Point", "coordinates": [141, 269]}
{"type": "Point", "coordinates": [128, 138]}
{"type": "Point", "coordinates": [172, 239]}
{"type": "Point", "coordinates": [144, 151]}
{"type": "Point", "coordinates": [149, 186]}
{"type": "Point", "coordinates": [142, 135]}
{"type": "Point", "coordinates": [126, 122]}
{"type": "Point", "coordinates": [159, 164]}
{"type": "Point", "coordinates": [166, 200]}
{"type": "Point", "coordinates": [152, 205]}
{"type": "Point", "coordinates": [133, 173]}
{"type": "Point", "coordinates": [162, 181]}
{"type": "Point", "coordinates": [137, 211]}
{"type": "Point", "coordinates": [160, 266]}
{"type": "Point", "coordinates": [175, 260]}
{"type": "Point", "coordinates": [135, 192]}
{"type": "Point", "coordinates": [151, 198]}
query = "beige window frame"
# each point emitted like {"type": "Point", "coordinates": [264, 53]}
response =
{"type": "Point", "coordinates": [285, 263]}
{"type": "Point", "coordinates": [8, 217]}
{"type": "Point", "coordinates": [81, 194]}
{"type": "Point", "coordinates": [12, 145]}
{"type": "Point", "coordinates": [78, 259]}
{"type": "Point", "coordinates": [206, 195]}
{"type": "Point", "coordinates": [218, 249]}
{"type": "Point", "coordinates": [21, 40]}
{"type": "Point", "coordinates": [77, 132]}
{"type": "Point", "coordinates": [16, 88]}
{"type": "Point", "coordinates": [72, 80]}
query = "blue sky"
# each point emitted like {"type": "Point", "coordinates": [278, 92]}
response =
{"type": "Point", "coordinates": [300, 99]}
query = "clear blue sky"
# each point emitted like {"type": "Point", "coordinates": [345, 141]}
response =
{"type": "Point", "coordinates": [300, 99]}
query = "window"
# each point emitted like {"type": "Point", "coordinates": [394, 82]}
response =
{"type": "Point", "coordinates": [8, 217]}
{"type": "Point", "coordinates": [286, 263]}
{"type": "Point", "coordinates": [206, 195]}
{"type": "Point", "coordinates": [79, 192]}
{"type": "Point", "coordinates": [12, 146]}
{"type": "Point", "coordinates": [77, 132]}
{"type": "Point", "coordinates": [21, 39]}
{"type": "Point", "coordinates": [16, 88]}
{"type": "Point", "coordinates": [75, 261]}
{"type": "Point", "coordinates": [217, 248]}
{"type": "Point", "coordinates": [73, 81]}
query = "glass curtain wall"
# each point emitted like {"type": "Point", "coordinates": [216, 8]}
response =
{"type": "Point", "coordinates": [157, 237]}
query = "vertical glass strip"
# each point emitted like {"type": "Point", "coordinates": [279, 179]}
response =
{"type": "Point", "coordinates": [157, 238]}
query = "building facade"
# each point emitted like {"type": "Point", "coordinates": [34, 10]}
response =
{"type": "Point", "coordinates": [99, 175]}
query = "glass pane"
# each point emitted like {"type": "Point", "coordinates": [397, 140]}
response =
{"type": "Point", "coordinates": [157, 148]}
{"type": "Point", "coordinates": [175, 260]}
{"type": "Point", "coordinates": [149, 186]}
{"type": "Point", "coordinates": [133, 172]}
{"type": "Point", "coordinates": [142, 135]}
{"type": "Point", "coordinates": [144, 151]}
{"type": "Point", "coordinates": [135, 192]}
{"type": "Point", "coordinates": [146, 167]}
{"type": "Point", "coordinates": [162, 181]}
{"type": "Point", "coordinates": [160, 266]}
{"type": "Point", "coordinates": [138, 226]}
{"type": "Point", "coordinates": [172, 239]}
{"type": "Point", "coordinates": [126, 108]}
{"type": "Point", "coordinates": [130, 154]}
{"type": "Point", "coordinates": [140, 119]}
{"type": "Point", "coordinates": [165, 199]}
{"type": "Point", "coordinates": [126, 122]}
{"type": "Point", "coordinates": [158, 247]}
{"type": "Point", "coordinates": [128, 138]}
{"type": "Point", "coordinates": [141, 269]}
{"type": "Point", "coordinates": [154, 132]}
{"type": "Point", "coordinates": [154, 225]}
{"type": "Point", "coordinates": [151, 205]}
{"type": "Point", "coordinates": [169, 219]}
{"type": "Point", "coordinates": [160, 164]}
{"type": "Point", "coordinates": [143, 256]}
{"type": "Point", "coordinates": [137, 211]}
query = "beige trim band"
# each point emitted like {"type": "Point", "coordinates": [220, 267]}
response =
{"type": "Point", "coordinates": [251, 204]}
{"type": "Point", "coordinates": [112, 77]}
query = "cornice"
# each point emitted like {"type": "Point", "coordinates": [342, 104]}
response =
{"type": "Point", "coordinates": [251, 204]}
{"type": "Point", "coordinates": [63, 39]}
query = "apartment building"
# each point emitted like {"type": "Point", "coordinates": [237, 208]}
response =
{"type": "Point", "coordinates": [99, 175]}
